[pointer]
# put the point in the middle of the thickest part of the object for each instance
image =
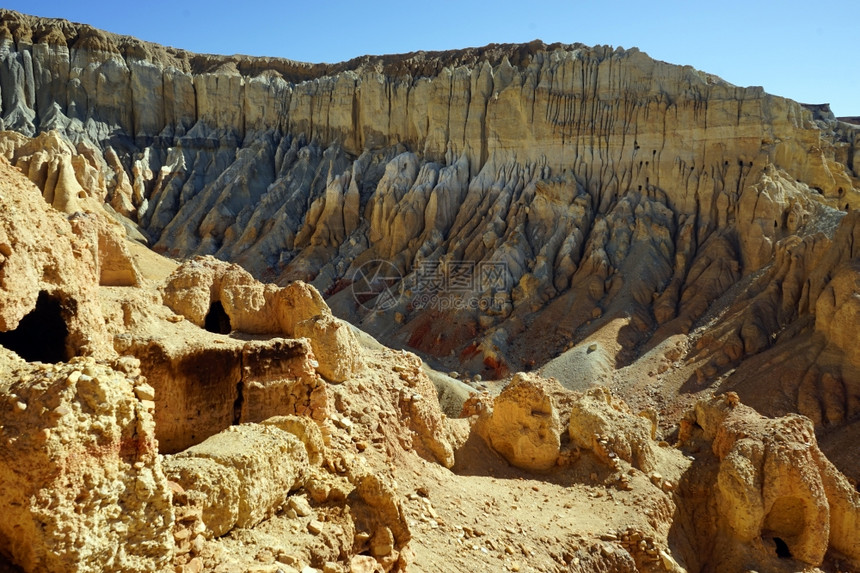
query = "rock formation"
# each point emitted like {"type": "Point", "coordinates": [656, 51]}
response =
{"type": "Point", "coordinates": [524, 426]}
{"type": "Point", "coordinates": [240, 476]}
{"type": "Point", "coordinates": [47, 278]}
{"type": "Point", "coordinates": [248, 419]}
{"type": "Point", "coordinates": [80, 474]}
{"type": "Point", "coordinates": [775, 495]}
{"type": "Point", "coordinates": [555, 171]}
{"type": "Point", "coordinates": [616, 219]}
{"type": "Point", "coordinates": [206, 286]}
{"type": "Point", "coordinates": [301, 171]}
{"type": "Point", "coordinates": [608, 428]}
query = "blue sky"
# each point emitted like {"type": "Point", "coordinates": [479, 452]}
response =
{"type": "Point", "coordinates": [807, 51]}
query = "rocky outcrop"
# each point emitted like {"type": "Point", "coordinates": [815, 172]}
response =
{"type": "Point", "coordinates": [775, 495]}
{"type": "Point", "coordinates": [331, 339]}
{"type": "Point", "coordinates": [49, 308]}
{"type": "Point", "coordinates": [374, 507]}
{"type": "Point", "coordinates": [114, 263]}
{"type": "Point", "coordinates": [240, 476]}
{"type": "Point", "coordinates": [523, 425]}
{"type": "Point", "coordinates": [204, 384]}
{"type": "Point", "coordinates": [521, 207]}
{"type": "Point", "coordinates": [253, 472]}
{"type": "Point", "coordinates": [81, 480]}
{"type": "Point", "coordinates": [492, 208]}
{"type": "Point", "coordinates": [781, 343]}
{"type": "Point", "coordinates": [207, 291]}
{"type": "Point", "coordinates": [72, 178]}
{"type": "Point", "coordinates": [606, 426]}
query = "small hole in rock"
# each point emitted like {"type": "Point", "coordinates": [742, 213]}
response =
{"type": "Point", "coordinates": [217, 320]}
{"type": "Point", "coordinates": [782, 550]}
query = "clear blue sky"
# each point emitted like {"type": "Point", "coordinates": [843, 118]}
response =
{"type": "Point", "coordinates": [805, 50]}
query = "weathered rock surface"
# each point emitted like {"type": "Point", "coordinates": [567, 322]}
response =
{"type": "Point", "coordinates": [492, 208]}
{"type": "Point", "coordinates": [333, 341]}
{"type": "Point", "coordinates": [783, 342]}
{"type": "Point", "coordinates": [240, 476]}
{"type": "Point", "coordinates": [571, 168]}
{"type": "Point", "coordinates": [205, 384]}
{"type": "Point", "coordinates": [375, 508]}
{"type": "Point", "coordinates": [204, 288]}
{"type": "Point", "coordinates": [306, 430]}
{"type": "Point", "coordinates": [81, 482]}
{"type": "Point", "coordinates": [775, 494]}
{"type": "Point", "coordinates": [524, 424]}
{"type": "Point", "coordinates": [47, 277]}
{"type": "Point", "coordinates": [606, 426]}
{"type": "Point", "coordinates": [72, 178]}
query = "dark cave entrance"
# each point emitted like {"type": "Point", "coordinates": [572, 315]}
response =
{"type": "Point", "coordinates": [782, 550]}
{"type": "Point", "coordinates": [41, 334]}
{"type": "Point", "coordinates": [786, 520]}
{"type": "Point", "coordinates": [217, 320]}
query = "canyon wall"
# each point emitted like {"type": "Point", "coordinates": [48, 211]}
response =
{"type": "Point", "coordinates": [588, 185]}
{"type": "Point", "coordinates": [635, 223]}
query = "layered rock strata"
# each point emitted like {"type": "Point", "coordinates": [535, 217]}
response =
{"type": "Point", "coordinates": [492, 208]}
{"type": "Point", "coordinates": [559, 172]}
{"type": "Point", "coordinates": [679, 300]}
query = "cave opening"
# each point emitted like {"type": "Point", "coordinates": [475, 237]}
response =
{"type": "Point", "coordinates": [782, 550]}
{"type": "Point", "coordinates": [41, 334]}
{"type": "Point", "coordinates": [785, 520]}
{"type": "Point", "coordinates": [217, 320]}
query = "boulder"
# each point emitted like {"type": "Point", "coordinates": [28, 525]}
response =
{"type": "Point", "coordinates": [376, 510]}
{"type": "Point", "coordinates": [524, 425]}
{"type": "Point", "coordinates": [240, 476]}
{"type": "Point", "coordinates": [606, 426]}
{"type": "Point", "coordinates": [334, 345]}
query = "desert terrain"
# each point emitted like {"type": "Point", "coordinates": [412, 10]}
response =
{"type": "Point", "coordinates": [538, 308]}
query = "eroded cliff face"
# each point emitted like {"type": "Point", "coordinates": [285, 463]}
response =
{"type": "Point", "coordinates": [565, 170]}
{"type": "Point", "coordinates": [490, 208]}
{"type": "Point", "coordinates": [192, 432]}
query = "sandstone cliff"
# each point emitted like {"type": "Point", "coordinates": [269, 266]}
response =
{"type": "Point", "coordinates": [533, 196]}
{"type": "Point", "coordinates": [571, 167]}
{"type": "Point", "coordinates": [192, 432]}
